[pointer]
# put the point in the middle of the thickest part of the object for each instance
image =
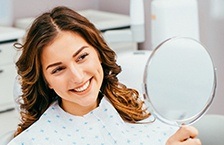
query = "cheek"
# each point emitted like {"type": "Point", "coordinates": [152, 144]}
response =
{"type": "Point", "coordinates": [56, 84]}
{"type": "Point", "coordinates": [96, 65]}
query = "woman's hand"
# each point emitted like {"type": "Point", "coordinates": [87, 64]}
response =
{"type": "Point", "coordinates": [186, 135]}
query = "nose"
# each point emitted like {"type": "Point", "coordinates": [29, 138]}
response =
{"type": "Point", "coordinates": [76, 74]}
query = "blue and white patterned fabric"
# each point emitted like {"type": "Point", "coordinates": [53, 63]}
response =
{"type": "Point", "coordinates": [102, 126]}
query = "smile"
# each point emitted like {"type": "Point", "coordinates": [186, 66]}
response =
{"type": "Point", "coordinates": [83, 88]}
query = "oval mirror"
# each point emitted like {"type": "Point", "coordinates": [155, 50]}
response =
{"type": "Point", "coordinates": [179, 81]}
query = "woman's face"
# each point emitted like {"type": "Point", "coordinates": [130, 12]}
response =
{"type": "Point", "coordinates": [73, 70]}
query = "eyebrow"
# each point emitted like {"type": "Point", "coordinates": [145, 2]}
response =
{"type": "Point", "coordinates": [74, 55]}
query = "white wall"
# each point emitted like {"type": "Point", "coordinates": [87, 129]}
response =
{"type": "Point", "coordinates": [116, 6]}
{"type": "Point", "coordinates": [27, 8]}
{"type": "Point", "coordinates": [212, 35]}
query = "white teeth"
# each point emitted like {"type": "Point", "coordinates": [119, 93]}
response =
{"type": "Point", "coordinates": [83, 88]}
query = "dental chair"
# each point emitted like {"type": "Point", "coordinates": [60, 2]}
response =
{"type": "Point", "coordinates": [133, 64]}
{"type": "Point", "coordinates": [7, 137]}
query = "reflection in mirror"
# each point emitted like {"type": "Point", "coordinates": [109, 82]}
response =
{"type": "Point", "coordinates": [179, 81]}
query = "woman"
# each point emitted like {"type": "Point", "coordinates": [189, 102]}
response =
{"type": "Point", "coordinates": [71, 93]}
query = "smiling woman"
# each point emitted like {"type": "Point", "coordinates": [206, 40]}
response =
{"type": "Point", "coordinates": [75, 75]}
{"type": "Point", "coordinates": [71, 93]}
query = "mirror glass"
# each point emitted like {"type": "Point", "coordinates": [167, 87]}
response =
{"type": "Point", "coordinates": [179, 81]}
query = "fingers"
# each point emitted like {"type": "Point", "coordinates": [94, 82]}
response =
{"type": "Point", "coordinates": [186, 135]}
{"type": "Point", "coordinates": [186, 132]}
{"type": "Point", "coordinates": [190, 141]}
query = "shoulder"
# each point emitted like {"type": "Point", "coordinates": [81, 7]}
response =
{"type": "Point", "coordinates": [38, 131]}
{"type": "Point", "coordinates": [155, 132]}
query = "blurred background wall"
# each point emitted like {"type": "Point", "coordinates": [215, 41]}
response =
{"type": "Point", "coordinates": [27, 8]}
{"type": "Point", "coordinates": [211, 14]}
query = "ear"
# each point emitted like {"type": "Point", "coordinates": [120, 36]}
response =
{"type": "Point", "coordinates": [49, 86]}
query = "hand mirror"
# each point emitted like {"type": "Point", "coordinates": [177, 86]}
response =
{"type": "Point", "coordinates": [179, 81]}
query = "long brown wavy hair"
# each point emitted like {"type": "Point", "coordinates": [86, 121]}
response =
{"type": "Point", "coordinates": [37, 96]}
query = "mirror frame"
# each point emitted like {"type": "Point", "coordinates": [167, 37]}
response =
{"type": "Point", "coordinates": [149, 103]}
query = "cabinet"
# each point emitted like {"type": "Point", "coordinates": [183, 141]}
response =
{"type": "Point", "coordinates": [8, 56]}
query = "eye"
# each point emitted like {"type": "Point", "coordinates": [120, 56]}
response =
{"type": "Point", "coordinates": [57, 69]}
{"type": "Point", "coordinates": [82, 56]}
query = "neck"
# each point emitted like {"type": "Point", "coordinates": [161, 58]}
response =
{"type": "Point", "coordinates": [77, 109]}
